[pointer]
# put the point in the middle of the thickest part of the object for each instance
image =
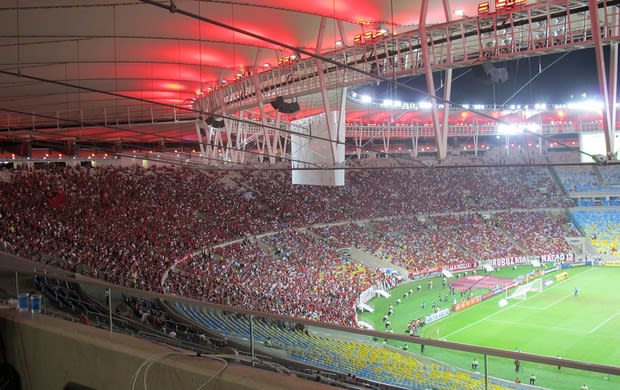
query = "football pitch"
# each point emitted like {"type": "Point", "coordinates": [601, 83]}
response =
{"type": "Point", "coordinates": [553, 323]}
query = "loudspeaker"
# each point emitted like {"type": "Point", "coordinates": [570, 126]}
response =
{"type": "Point", "coordinates": [489, 72]}
{"type": "Point", "coordinates": [279, 102]}
{"type": "Point", "coordinates": [284, 107]}
{"type": "Point", "coordinates": [211, 121]}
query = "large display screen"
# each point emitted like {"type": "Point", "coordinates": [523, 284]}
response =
{"type": "Point", "coordinates": [594, 144]}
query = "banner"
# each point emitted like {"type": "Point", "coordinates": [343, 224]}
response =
{"type": "Point", "coordinates": [504, 261]}
{"type": "Point", "coordinates": [428, 273]}
{"type": "Point", "coordinates": [558, 257]}
{"type": "Point", "coordinates": [551, 270]}
{"type": "Point", "coordinates": [467, 303]}
{"type": "Point", "coordinates": [461, 266]}
{"type": "Point", "coordinates": [561, 276]}
{"type": "Point", "coordinates": [433, 272]}
{"type": "Point", "coordinates": [515, 260]}
{"type": "Point", "coordinates": [498, 290]}
{"type": "Point", "coordinates": [436, 316]}
{"type": "Point", "coordinates": [367, 295]}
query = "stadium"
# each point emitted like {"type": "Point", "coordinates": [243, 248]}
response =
{"type": "Point", "coordinates": [347, 194]}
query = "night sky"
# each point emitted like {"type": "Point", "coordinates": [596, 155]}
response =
{"type": "Point", "coordinates": [574, 73]}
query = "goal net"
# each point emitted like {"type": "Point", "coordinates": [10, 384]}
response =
{"type": "Point", "coordinates": [522, 291]}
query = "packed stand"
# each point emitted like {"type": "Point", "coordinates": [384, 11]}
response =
{"type": "Point", "coordinates": [293, 206]}
{"type": "Point", "coordinates": [414, 246]}
{"type": "Point", "coordinates": [110, 222]}
{"type": "Point", "coordinates": [347, 235]}
{"type": "Point", "coordinates": [129, 225]}
{"type": "Point", "coordinates": [537, 232]}
{"type": "Point", "coordinates": [378, 193]}
{"type": "Point", "coordinates": [277, 279]}
{"type": "Point", "coordinates": [478, 236]}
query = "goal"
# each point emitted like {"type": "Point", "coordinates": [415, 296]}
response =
{"type": "Point", "coordinates": [522, 291]}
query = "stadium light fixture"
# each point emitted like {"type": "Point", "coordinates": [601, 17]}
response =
{"type": "Point", "coordinates": [517, 128]}
{"type": "Point", "coordinates": [532, 127]}
{"type": "Point", "coordinates": [366, 99]}
{"type": "Point", "coordinates": [508, 129]}
{"type": "Point", "coordinates": [586, 105]}
{"type": "Point", "coordinates": [425, 105]}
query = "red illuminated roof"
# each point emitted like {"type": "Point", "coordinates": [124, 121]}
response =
{"type": "Point", "coordinates": [162, 60]}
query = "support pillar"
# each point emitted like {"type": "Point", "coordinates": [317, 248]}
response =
{"type": "Point", "coordinates": [324, 93]}
{"type": "Point", "coordinates": [476, 134]}
{"type": "Point", "coordinates": [447, 90]}
{"type": "Point", "coordinates": [442, 145]}
{"type": "Point", "coordinates": [608, 126]}
{"type": "Point", "coordinates": [613, 98]}
{"type": "Point", "coordinates": [261, 108]}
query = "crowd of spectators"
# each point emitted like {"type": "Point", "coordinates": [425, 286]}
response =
{"type": "Point", "coordinates": [378, 193]}
{"type": "Point", "coordinates": [537, 232]}
{"type": "Point", "coordinates": [481, 238]}
{"type": "Point", "coordinates": [289, 273]}
{"type": "Point", "coordinates": [128, 225]}
{"type": "Point", "coordinates": [414, 245]}
{"type": "Point", "coordinates": [346, 235]}
{"type": "Point", "coordinates": [110, 222]}
{"type": "Point", "coordinates": [417, 246]}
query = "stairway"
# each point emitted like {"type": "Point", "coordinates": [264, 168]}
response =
{"type": "Point", "coordinates": [556, 177]}
{"type": "Point", "coordinates": [373, 262]}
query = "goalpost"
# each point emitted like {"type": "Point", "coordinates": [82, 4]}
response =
{"type": "Point", "coordinates": [522, 291]}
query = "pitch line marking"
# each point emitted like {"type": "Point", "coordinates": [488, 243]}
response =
{"type": "Point", "coordinates": [531, 325]}
{"type": "Point", "coordinates": [604, 322]}
{"type": "Point", "coordinates": [550, 305]}
{"type": "Point", "coordinates": [481, 320]}
{"type": "Point", "coordinates": [500, 310]}
{"type": "Point", "coordinates": [547, 306]}
{"type": "Point", "coordinates": [557, 301]}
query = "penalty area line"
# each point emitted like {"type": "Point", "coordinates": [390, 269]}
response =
{"type": "Point", "coordinates": [599, 326]}
{"type": "Point", "coordinates": [506, 308]}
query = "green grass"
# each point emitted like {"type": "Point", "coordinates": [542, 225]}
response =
{"type": "Point", "coordinates": [551, 323]}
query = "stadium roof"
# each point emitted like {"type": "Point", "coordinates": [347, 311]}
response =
{"type": "Point", "coordinates": [133, 68]}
